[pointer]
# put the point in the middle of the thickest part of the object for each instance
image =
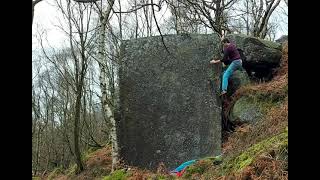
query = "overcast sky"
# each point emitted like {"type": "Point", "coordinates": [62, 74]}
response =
{"type": "Point", "coordinates": [45, 17]}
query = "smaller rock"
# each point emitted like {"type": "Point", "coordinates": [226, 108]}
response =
{"type": "Point", "coordinates": [239, 78]}
{"type": "Point", "coordinates": [247, 110]}
{"type": "Point", "coordinates": [282, 39]}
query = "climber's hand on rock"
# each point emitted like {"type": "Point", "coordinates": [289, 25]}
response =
{"type": "Point", "coordinates": [214, 61]}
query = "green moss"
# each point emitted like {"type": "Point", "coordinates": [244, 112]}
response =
{"type": "Point", "coordinates": [286, 89]}
{"type": "Point", "coordinates": [36, 178]}
{"type": "Point", "coordinates": [237, 163]}
{"type": "Point", "coordinates": [271, 44]}
{"type": "Point", "coordinates": [161, 177]}
{"type": "Point", "coordinates": [116, 175]}
{"type": "Point", "coordinates": [199, 167]}
{"type": "Point", "coordinates": [71, 170]}
{"type": "Point", "coordinates": [264, 101]}
{"type": "Point", "coordinates": [99, 171]}
{"type": "Point", "coordinates": [267, 43]}
{"type": "Point", "coordinates": [252, 108]}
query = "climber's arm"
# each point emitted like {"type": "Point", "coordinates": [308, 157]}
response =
{"type": "Point", "coordinates": [214, 61]}
{"type": "Point", "coordinates": [225, 57]}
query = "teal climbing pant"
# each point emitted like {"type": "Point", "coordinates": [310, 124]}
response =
{"type": "Point", "coordinates": [235, 65]}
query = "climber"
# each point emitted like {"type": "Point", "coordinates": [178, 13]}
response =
{"type": "Point", "coordinates": [232, 58]}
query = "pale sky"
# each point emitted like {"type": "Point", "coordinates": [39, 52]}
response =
{"type": "Point", "coordinates": [44, 17]}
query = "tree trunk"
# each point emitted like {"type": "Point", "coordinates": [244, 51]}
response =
{"type": "Point", "coordinates": [38, 150]}
{"type": "Point", "coordinates": [32, 12]}
{"type": "Point", "coordinates": [120, 22]}
{"type": "Point", "coordinates": [76, 130]}
{"type": "Point", "coordinates": [137, 23]}
{"type": "Point", "coordinates": [218, 17]}
{"type": "Point", "coordinates": [108, 111]}
{"type": "Point", "coordinates": [257, 17]}
{"type": "Point", "coordinates": [263, 27]}
{"type": "Point", "coordinates": [107, 107]}
{"type": "Point", "coordinates": [177, 21]}
{"type": "Point", "coordinates": [247, 18]}
{"type": "Point", "coordinates": [145, 10]}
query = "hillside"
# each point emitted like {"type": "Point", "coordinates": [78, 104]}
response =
{"type": "Point", "coordinates": [252, 151]}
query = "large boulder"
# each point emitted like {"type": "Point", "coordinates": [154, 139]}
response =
{"type": "Point", "coordinates": [168, 111]}
{"type": "Point", "coordinates": [262, 56]}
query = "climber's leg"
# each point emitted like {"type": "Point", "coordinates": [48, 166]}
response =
{"type": "Point", "coordinates": [235, 65]}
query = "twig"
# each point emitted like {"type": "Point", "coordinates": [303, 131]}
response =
{"type": "Point", "coordinates": [155, 19]}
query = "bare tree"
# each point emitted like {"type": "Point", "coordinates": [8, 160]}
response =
{"type": "Point", "coordinates": [211, 14]}
{"type": "Point", "coordinates": [48, 107]}
{"type": "Point", "coordinates": [37, 129]}
{"type": "Point", "coordinates": [75, 97]}
{"type": "Point", "coordinates": [245, 17]}
{"type": "Point", "coordinates": [66, 122]}
{"type": "Point", "coordinates": [59, 89]}
{"type": "Point", "coordinates": [77, 17]}
{"type": "Point", "coordinates": [182, 22]}
{"type": "Point", "coordinates": [261, 16]}
{"type": "Point", "coordinates": [136, 19]}
{"type": "Point", "coordinates": [252, 17]}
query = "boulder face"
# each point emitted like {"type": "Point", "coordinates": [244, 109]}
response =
{"type": "Point", "coordinates": [261, 55]}
{"type": "Point", "coordinates": [168, 110]}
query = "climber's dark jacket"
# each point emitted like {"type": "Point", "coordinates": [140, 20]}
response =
{"type": "Point", "coordinates": [230, 54]}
